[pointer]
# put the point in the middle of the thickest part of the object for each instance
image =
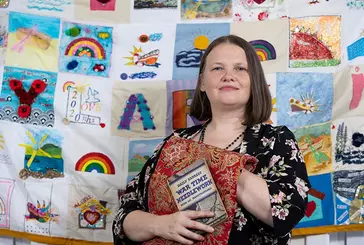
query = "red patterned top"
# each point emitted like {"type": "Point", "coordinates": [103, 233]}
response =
{"type": "Point", "coordinates": [280, 164]}
{"type": "Point", "coordinates": [225, 167]}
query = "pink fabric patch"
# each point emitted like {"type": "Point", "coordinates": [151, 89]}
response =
{"type": "Point", "coordinates": [102, 5]}
{"type": "Point", "coordinates": [358, 86]}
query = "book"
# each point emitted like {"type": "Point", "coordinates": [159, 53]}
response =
{"type": "Point", "coordinates": [193, 188]}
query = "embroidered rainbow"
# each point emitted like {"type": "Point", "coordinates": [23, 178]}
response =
{"type": "Point", "coordinates": [95, 161]}
{"type": "Point", "coordinates": [264, 50]}
{"type": "Point", "coordinates": [67, 85]}
{"type": "Point", "coordinates": [86, 46]}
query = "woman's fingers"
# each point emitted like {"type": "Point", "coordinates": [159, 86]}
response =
{"type": "Point", "coordinates": [182, 240]}
{"type": "Point", "coordinates": [198, 214]}
{"type": "Point", "coordinates": [192, 224]}
{"type": "Point", "coordinates": [191, 235]}
{"type": "Point", "coordinates": [177, 226]}
{"type": "Point", "coordinates": [199, 226]}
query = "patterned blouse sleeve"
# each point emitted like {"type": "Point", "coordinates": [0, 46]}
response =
{"type": "Point", "coordinates": [133, 198]}
{"type": "Point", "coordinates": [288, 184]}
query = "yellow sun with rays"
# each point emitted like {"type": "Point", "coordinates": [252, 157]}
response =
{"type": "Point", "coordinates": [35, 148]}
{"type": "Point", "coordinates": [201, 42]}
{"type": "Point", "coordinates": [133, 53]}
{"type": "Point", "coordinates": [274, 101]}
{"type": "Point", "coordinates": [274, 109]}
{"type": "Point", "coordinates": [82, 88]}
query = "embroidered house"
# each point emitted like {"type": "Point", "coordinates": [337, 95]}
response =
{"type": "Point", "coordinates": [92, 213]}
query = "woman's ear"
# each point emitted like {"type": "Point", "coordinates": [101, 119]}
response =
{"type": "Point", "coordinates": [202, 86]}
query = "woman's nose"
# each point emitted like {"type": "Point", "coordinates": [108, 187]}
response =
{"type": "Point", "coordinates": [228, 78]}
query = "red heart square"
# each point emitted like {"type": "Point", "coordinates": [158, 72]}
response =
{"type": "Point", "coordinates": [102, 125]}
{"type": "Point", "coordinates": [91, 217]}
{"type": "Point", "coordinates": [259, 1]}
{"type": "Point", "coordinates": [311, 207]}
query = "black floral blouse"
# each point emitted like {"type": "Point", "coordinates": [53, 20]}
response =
{"type": "Point", "coordinates": [280, 163]}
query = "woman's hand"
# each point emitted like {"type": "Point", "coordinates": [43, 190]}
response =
{"type": "Point", "coordinates": [177, 227]}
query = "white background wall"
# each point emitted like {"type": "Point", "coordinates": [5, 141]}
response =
{"type": "Point", "coordinates": [350, 238]}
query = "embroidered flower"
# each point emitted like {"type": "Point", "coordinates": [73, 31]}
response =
{"type": "Point", "coordinates": [176, 153]}
{"type": "Point", "coordinates": [271, 143]}
{"type": "Point", "coordinates": [277, 198]}
{"type": "Point", "coordinates": [301, 187]}
{"type": "Point", "coordinates": [279, 169]}
{"type": "Point", "coordinates": [294, 148]}
{"type": "Point", "coordinates": [240, 219]}
{"type": "Point", "coordinates": [248, 2]}
{"type": "Point", "coordinates": [24, 111]}
{"type": "Point", "coordinates": [275, 211]}
{"type": "Point", "coordinates": [264, 173]}
{"type": "Point", "coordinates": [243, 147]}
{"type": "Point", "coordinates": [134, 181]}
{"type": "Point", "coordinates": [39, 86]}
{"type": "Point", "coordinates": [263, 15]}
{"type": "Point", "coordinates": [127, 197]}
{"type": "Point", "coordinates": [268, 142]}
{"type": "Point", "coordinates": [265, 141]}
{"type": "Point", "coordinates": [300, 156]}
{"type": "Point", "coordinates": [237, 17]}
{"type": "Point", "coordinates": [256, 128]}
{"type": "Point", "coordinates": [15, 84]}
{"type": "Point", "coordinates": [283, 213]}
{"type": "Point", "coordinates": [228, 177]}
{"type": "Point", "coordinates": [273, 160]}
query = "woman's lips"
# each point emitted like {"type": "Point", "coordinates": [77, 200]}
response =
{"type": "Point", "coordinates": [228, 88]}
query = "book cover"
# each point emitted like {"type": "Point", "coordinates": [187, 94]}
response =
{"type": "Point", "coordinates": [193, 188]}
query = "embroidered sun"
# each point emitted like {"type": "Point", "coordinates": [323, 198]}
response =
{"type": "Point", "coordinates": [81, 88]}
{"type": "Point", "coordinates": [201, 42]}
{"type": "Point", "coordinates": [307, 104]}
{"type": "Point", "coordinates": [135, 53]}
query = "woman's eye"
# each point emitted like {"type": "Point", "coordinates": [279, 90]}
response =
{"type": "Point", "coordinates": [217, 68]}
{"type": "Point", "coordinates": [241, 69]}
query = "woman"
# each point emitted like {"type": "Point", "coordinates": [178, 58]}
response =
{"type": "Point", "coordinates": [233, 99]}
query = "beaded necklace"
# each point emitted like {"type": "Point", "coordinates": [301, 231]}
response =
{"type": "Point", "coordinates": [202, 137]}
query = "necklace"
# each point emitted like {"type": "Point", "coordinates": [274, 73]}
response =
{"type": "Point", "coordinates": [202, 137]}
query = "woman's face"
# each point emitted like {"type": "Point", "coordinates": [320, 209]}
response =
{"type": "Point", "coordinates": [225, 78]}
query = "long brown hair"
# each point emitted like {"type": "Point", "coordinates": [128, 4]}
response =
{"type": "Point", "coordinates": [259, 106]}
